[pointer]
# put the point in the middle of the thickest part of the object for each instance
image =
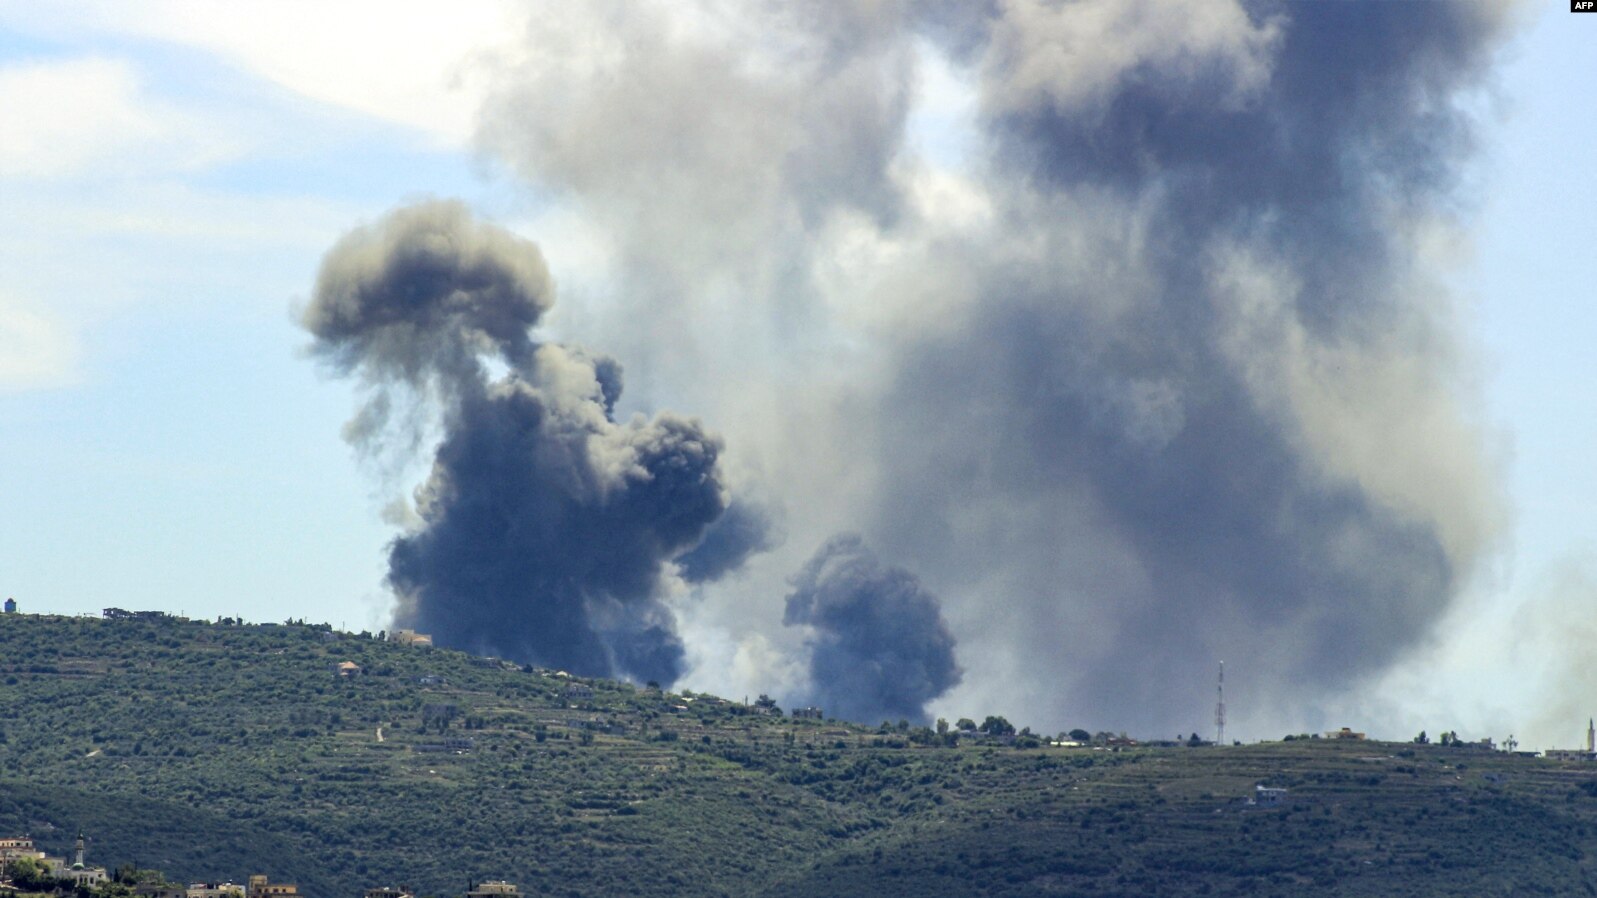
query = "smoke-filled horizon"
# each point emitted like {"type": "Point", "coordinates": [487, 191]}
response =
{"type": "Point", "coordinates": [1140, 337]}
{"type": "Point", "coordinates": [1157, 371]}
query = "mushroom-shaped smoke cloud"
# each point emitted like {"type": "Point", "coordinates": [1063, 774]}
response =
{"type": "Point", "coordinates": [546, 527]}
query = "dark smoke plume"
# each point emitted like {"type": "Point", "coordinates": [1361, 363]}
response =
{"type": "Point", "coordinates": [545, 525]}
{"type": "Point", "coordinates": [742, 531]}
{"type": "Point", "coordinates": [1158, 373]}
{"type": "Point", "coordinates": [879, 649]}
{"type": "Point", "coordinates": [1202, 410]}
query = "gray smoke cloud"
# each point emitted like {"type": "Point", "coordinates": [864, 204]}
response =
{"type": "Point", "coordinates": [879, 648]}
{"type": "Point", "coordinates": [1215, 414]}
{"type": "Point", "coordinates": [743, 530]}
{"type": "Point", "coordinates": [544, 530]}
{"type": "Point", "coordinates": [1161, 373]}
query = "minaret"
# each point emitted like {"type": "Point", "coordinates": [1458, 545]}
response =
{"type": "Point", "coordinates": [1219, 709]}
{"type": "Point", "coordinates": [1591, 735]}
{"type": "Point", "coordinates": [77, 853]}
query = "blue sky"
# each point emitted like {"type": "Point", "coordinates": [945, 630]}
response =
{"type": "Point", "coordinates": [1533, 277]}
{"type": "Point", "coordinates": [169, 182]}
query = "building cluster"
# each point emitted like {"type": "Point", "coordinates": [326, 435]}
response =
{"type": "Point", "coordinates": [122, 614]}
{"type": "Point", "coordinates": [77, 872]}
{"type": "Point", "coordinates": [257, 886]}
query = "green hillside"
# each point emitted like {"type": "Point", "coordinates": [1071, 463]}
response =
{"type": "Point", "coordinates": [217, 750]}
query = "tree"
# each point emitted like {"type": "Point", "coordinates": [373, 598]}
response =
{"type": "Point", "coordinates": [942, 726]}
{"type": "Point", "coordinates": [965, 725]}
{"type": "Point", "coordinates": [30, 875]}
{"type": "Point", "coordinates": [1422, 739]}
{"type": "Point", "coordinates": [997, 726]}
{"type": "Point", "coordinates": [1080, 735]}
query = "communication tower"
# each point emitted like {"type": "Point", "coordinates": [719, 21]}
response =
{"type": "Point", "coordinates": [1219, 708]}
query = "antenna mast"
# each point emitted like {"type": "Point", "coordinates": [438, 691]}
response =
{"type": "Point", "coordinates": [1219, 708]}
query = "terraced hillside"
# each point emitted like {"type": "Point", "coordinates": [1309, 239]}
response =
{"type": "Point", "coordinates": [216, 750]}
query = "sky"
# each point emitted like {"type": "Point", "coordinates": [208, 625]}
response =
{"type": "Point", "coordinates": [173, 175]}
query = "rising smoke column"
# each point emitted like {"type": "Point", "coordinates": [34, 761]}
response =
{"type": "Point", "coordinates": [545, 526]}
{"type": "Point", "coordinates": [1160, 374]}
{"type": "Point", "coordinates": [1209, 405]}
{"type": "Point", "coordinates": [878, 646]}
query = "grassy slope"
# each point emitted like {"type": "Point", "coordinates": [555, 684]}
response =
{"type": "Point", "coordinates": [216, 751]}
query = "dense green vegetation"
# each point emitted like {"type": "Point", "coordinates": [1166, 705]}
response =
{"type": "Point", "coordinates": [216, 750]}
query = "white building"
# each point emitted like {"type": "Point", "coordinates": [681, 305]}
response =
{"type": "Point", "coordinates": [1267, 796]}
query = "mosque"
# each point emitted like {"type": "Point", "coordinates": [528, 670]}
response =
{"type": "Point", "coordinates": [79, 873]}
{"type": "Point", "coordinates": [1574, 754]}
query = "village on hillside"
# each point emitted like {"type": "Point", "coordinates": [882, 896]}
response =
{"type": "Point", "coordinates": [26, 870]}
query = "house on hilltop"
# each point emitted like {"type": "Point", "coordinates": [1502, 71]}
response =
{"type": "Point", "coordinates": [11, 606]}
{"type": "Point", "coordinates": [16, 849]}
{"type": "Point", "coordinates": [1267, 796]}
{"type": "Point", "coordinates": [261, 887]}
{"type": "Point", "coordinates": [493, 888]}
{"type": "Point", "coordinates": [214, 890]}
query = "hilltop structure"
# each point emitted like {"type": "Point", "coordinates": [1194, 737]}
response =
{"type": "Point", "coordinates": [214, 890]}
{"type": "Point", "coordinates": [493, 888]}
{"type": "Point", "coordinates": [18, 848]}
{"type": "Point", "coordinates": [1589, 753]}
{"type": "Point", "coordinates": [262, 887]}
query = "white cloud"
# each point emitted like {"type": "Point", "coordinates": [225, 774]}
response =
{"type": "Point", "coordinates": [39, 350]}
{"type": "Point", "coordinates": [409, 63]}
{"type": "Point", "coordinates": [66, 117]}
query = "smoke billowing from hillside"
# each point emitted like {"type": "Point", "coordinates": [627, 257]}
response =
{"type": "Point", "coordinates": [545, 526]}
{"type": "Point", "coordinates": [878, 646]}
{"type": "Point", "coordinates": [1157, 372]}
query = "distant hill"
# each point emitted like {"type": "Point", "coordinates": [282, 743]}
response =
{"type": "Point", "coordinates": [218, 750]}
